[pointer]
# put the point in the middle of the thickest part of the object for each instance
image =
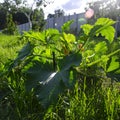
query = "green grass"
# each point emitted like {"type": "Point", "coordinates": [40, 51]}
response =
{"type": "Point", "coordinates": [15, 102]}
{"type": "Point", "coordinates": [87, 104]}
{"type": "Point", "coordinates": [9, 45]}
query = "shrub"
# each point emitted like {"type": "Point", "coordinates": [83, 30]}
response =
{"type": "Point", "coordinates": [11, 27]}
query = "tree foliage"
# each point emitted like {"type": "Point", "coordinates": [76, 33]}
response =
{"type": "Point", "coordinates": [23, 7]}
{"type": "Point", "coordinates": [11, 27]}
{"type": "Point", "coordinates": [57, 13]}
{"type": "Point", "coordinates": [106, 8]}
{"type": "Point", "coordinates": [38, 21]}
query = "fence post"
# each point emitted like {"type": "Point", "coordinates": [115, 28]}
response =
{"type": "Point", "coordinates": [53, 22]}
{"type": "Point", "coordinates": [76, 23]}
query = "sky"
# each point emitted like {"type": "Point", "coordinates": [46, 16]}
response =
{"type": "Point", "coordinates": [69, 6]}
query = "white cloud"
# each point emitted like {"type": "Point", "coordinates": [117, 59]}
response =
{"type": "Point", "coordinates": [76, 6]}
{"type": "Point", "coordinates": [72, 4]}
{"type": "Point", "coordinates": [69, 6]}
{"type": "Point", "coordinates": [54, 6]}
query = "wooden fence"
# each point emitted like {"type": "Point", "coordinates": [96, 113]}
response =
{"type": "Point", "coordinates": [23, 27]}
{"type": "Point", "coordinates": [57, 22]}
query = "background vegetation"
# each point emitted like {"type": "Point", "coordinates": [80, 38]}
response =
{"type": "Point", "coordinates": [22, 12]}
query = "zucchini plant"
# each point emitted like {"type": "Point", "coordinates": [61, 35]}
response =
{"type": "Point", "coordinates": [51, 60]}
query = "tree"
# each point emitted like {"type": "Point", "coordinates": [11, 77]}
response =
{"type": "Point", "coordinates": [50, 16]}
{"type": "Point", "coordinates": [29, 9]}
{"type": "Point", "coordinates": [11, 27]}
{"type": "Point", "coordinates": [57, 13]}
{"type": "Point", "coordinates": [23, 6]}
{"type": "Point", "coordinates": [38, 22]}
{"type": "Point", "coordinates": [106, 8]}
{"type": "Point", "coordinates": [2, 18]}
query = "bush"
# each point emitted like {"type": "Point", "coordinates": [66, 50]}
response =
{"type": "Point", "coordinates": [11, 28]}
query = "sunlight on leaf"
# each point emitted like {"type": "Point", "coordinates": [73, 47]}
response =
{"type": "Point", "coordinates": [114, 64]}
{"type": "Point", "coordinates": [105, 28]}
{"type": "Point", "coordinates": [69, 37]}
{"type": "Point", "coordinates": [105, 21]}
{"type": "Point", "coordinates": [101, 47]}
{"type": "Point", "coordinates": [48, 79]}
{"type": "Point", "coordinates": [108, 33]}
{"type": "Point", "coordinates": [86, 28]}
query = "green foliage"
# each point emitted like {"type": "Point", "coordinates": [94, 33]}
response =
{"type": "Point", "coordinates": [34, 16]}
{"type": "Point", "coordinates": [101, 27]}
{"type": "Point", "coordinates": [41, 52]}
{"type": "Point", "coordinates": [11, 27]}
{"type": "Point", "coordinates": [38, 21]}
{"type": "Point", "coordinates": [66, 26]}
{"type": "Point", "coordinates": [9, 46]}
{"type": "Point", "coordinates": [54, 64]}
{"type": "Point", "coordinates": [60, 64]}
{"type": "Point", "coordinates": [114, 64]}
{"type": "Point", "coordinates": [87, 103]}
{"type": "Point", "coordinates": [105, 8]}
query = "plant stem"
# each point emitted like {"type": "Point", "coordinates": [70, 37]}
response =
{"type": "Point", "coordinates": [86, 44]}
{"type": "Point", "coordinates": [54, 61]}
{"type": "Point", "coordinates": [97, 61]}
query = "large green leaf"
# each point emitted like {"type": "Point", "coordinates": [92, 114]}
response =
{"type": "Point", "coordinates": [37, 72]}
{"type": "Point", "coordinates": [47, 83]}
{"type": "Point", "coordinates": [87, 28]}
{"type": "Point", "coordinates": [70, 60]}
{"type": "Point", "coordinates": [101, 47]}
{"type": "Point", "coordinates": [52, 31]}
{"type": "Point", "coordinates": [70, 38]}
{"type": "Point", "coordinates": [113, 70]}
{"type": "Point", "coordinates": [22, 54]}
{"type": "Point", "coordinates": [51, 35]}
{"type": "Point", "coordinates": [104, 21]}
{"type": "Point", "coordinates": [104, 27]}
{"type": "Point", "coordinates": [107, 32]}
{"type": "Point", "coordinates": [114, 64]}
{"type": "Point", "coordinates": [47, 91]}
{"type": "Point", "coordinates": [25, 51]}
{"type": "Point", "coordinates": [35, 35]}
